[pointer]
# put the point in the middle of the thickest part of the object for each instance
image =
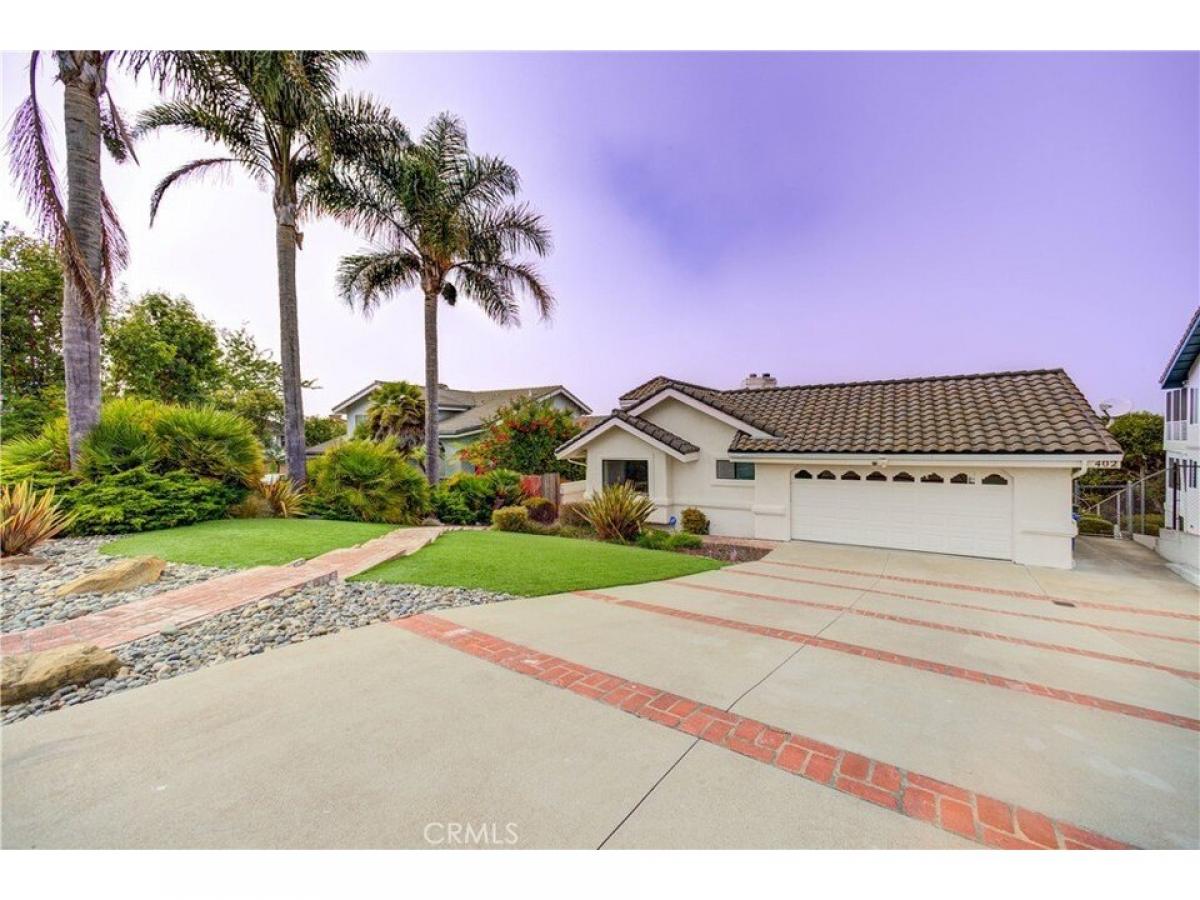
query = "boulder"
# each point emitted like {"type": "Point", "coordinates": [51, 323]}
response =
{"type": "Point", "coordinates": [120, 576]}
{"type": "Point", "coordinates": [25, 675]}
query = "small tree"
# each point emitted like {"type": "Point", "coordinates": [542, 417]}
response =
{"type": "Point", "coordinates": [160, 349]}
{"type": "Point", "coordinates": [319, 429]}
{"type": "Point", "coordinates": [397, 411]}
{"type": "Point", "coordinates": [523, 436]}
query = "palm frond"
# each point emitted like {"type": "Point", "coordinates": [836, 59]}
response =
{"type": "Point", "coordinates": [114, 247]}
{"type": "Point", "coordinates": [365, 279]}
{"type": "Point", "coordinates": [196, 168]}
{"type": "Point", "coordinates": [116, 136]}
{"type": "Point", "coordinates": [37, 182]}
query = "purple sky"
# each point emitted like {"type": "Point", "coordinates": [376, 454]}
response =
{"type": "Point", "coordinates": [822, 216]}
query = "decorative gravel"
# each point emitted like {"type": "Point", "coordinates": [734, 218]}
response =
{"type": "Point", "coordinates": [28, 590]}
{"type": "Point", "coordinates": [256, 628]}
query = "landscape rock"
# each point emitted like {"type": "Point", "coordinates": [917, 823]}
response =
{"type": "Point", "coordinates": [120, 576]}
{"type": "Point", "coordinates": [57, 671]}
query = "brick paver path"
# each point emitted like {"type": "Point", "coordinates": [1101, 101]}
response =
{"type": "Point", "coordinates": [141, 618]}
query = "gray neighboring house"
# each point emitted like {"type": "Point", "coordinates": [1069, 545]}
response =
{"type": "Point", "coordinates": [461, 414]}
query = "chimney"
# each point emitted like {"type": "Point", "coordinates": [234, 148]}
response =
{"type": "Point", "coordinates": [754, 381]}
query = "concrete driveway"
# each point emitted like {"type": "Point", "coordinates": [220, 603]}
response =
{"type": "Point", "coordinates": [823, 697]}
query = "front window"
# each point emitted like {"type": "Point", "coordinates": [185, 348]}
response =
{"type": "Point", "coordinates": [635, 471]}
{"type": "Point", "coordinates": [1179, 412]}
{"type": "Point", "coordinates": [739, 471]}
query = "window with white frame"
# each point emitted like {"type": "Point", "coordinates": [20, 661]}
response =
{"type": "Point", "coordinates": [1179, 412]}
{"type": "Point", "coordinates": [735, 471]}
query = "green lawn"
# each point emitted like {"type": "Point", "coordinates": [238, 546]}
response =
{"type": "Point", "coordinates": [241, 543]}
{"type": "Point", "coordinates": [531, 565]}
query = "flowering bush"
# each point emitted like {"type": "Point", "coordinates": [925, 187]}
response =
{"type": "Point", "coordinates": [523, 436]}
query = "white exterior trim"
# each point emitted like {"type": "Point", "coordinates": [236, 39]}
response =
{"type": "Point", "coordinates": [587, 410]}
{"type": "Point", "coordinates": [581, 441]}
{"type": "Point", "coordinates": [883, 461]}
{"type": "Point", "coordinates": [688, 400]}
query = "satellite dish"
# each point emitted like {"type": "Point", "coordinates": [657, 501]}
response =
{"type": "Point", "coordinates": [1114, 406]}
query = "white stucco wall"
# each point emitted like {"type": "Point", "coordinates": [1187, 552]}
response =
{"type": "Point", "coordinates": [1183, 502]}
{"type": "Point", "coordinates": [1042, 524]}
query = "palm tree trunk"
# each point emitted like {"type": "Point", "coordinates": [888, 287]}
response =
{"type": "Point", "coordinates": [431, 388]}
{"type": "Point", "coordinates": [82, 76]}
{"type": "Point", "coordinates": [289, 346]}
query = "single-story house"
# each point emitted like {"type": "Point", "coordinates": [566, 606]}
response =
{"type": "Point", "coordinates": [1179, 539]}
{"type": "Point", "coordinates": [461, 414]}
{"type": "Point", "coordinates": [977, 465]}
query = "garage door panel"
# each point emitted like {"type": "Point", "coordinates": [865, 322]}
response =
{"type": "Point", "coordinates": [965, 519]}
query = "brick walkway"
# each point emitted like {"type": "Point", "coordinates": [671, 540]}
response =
{"type": "Point", "coordinates": [174, 609]}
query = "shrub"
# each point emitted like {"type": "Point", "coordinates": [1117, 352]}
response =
{"type": "Point", "coordinates": [253, 506]}
{"type": "Point", "coordinates": [572, 514]}
{"type": "Point", "coordinates": [577, 532]}
{"type": "Point", "coordinates": [123, 439]}
{"type": "Point", "coordinates": [694, 522]}
{"type": "Point", "coordinates": [481, 494]}
{"type": "Point", "coordinates": [369, 482]}
{"type": "Point", "coordinates": [38, 458]}
{"type": "Point", "coordinates": [682, 540]}
{"type": "Point", "coordinates": [283, 499]}
{"type": "Point", "coordinates": [540, 509]}
{"type": "Point", "coordinates": [450, 507]}
{"type": "Point", "coordinates": [511, 518]}
{"type": "Point", "coordinates": [1095, 525]}
{"type": "Point", "coordinates": [1147, 524]}
{"type": "Point", "coordinates": [544, 530]}
{"type": "Point", "coordinates": [654, 539]}
{"type": "Point", "coordinates": [617, 513]}
{"type": "Point", "coordinates": [28, 517]}
{"type": "Point", "coordinates": [141, 500]}
{"type": "Point", "coordinates": [209, 442]}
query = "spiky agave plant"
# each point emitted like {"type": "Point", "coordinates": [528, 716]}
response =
{"type": "Point", "coordinates": [617, 513]}
{"type": "Point", "coordinates": [285, 500]}
{"type": "Point", "coordinates": [28, 517]}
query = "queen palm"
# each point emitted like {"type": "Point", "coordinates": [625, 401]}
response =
{"type": "Point", "coordinates": [84, 230]}
{"type": "Point", "coordinates": [397, 411]}
{"type": "Point", "coordinates": [441, 220]}
{"type": "Point", "coordinates": [279, 117]}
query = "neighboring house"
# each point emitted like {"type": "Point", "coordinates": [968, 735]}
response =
{"type": "Point", "coordinates": [978, 465]}
{"type": "Point", "coordinates": [1179, 540]}
{"type": "Point", "coordinates": [461, 414]}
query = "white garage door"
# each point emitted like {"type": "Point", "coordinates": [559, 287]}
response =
{"type": "Point", "coordinates": [938, 511]}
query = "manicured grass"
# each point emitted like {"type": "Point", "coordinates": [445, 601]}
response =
{"type": "Point", "coordinates": [241, 543]}
{"type": "Point", "coordinates": [531, 565]}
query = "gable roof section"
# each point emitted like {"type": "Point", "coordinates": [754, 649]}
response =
{"type": "Point", "coordinates": [673, 442]}
{"type": "Point", "coordinates": [476, 406]}
{"type": "Point", "coordinates": [1038, 411]}
{"type": "Point", "coordinates": [1186, 353]}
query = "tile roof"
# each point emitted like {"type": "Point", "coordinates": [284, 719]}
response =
{"type": "Point", "coordinates": [1040, 411]}
{"type": "Point", "coordinates": [674, 441]}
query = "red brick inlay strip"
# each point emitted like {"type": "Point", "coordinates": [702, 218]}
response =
{"type": "Point", "coordinates": [976, 817]}
{"type": "Point", "coordinates": [956, 629]}
{"type": "Point", "coordinates": [743, 571]}
{"type": "Point", "coordinates": [912, 662]}
{"type": "Point", "coordinates": [979, 589]}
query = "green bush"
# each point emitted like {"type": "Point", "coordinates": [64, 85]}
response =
{"type": "Point", "coordinates": [141, 500]}
{"type": "Point", "coordinates": [656, 539]}
{"type": "Point", "coordinates": [368, 482]}
{"type": "Point", "coordinates": [43, 458]}
{"type": "Point", "coordinates": [209, 442]}
{"type": "Point", "coordinates": [578, 532]}
{"type": "Point", "coordinates": [693, 521]}
{"type": "Point", "coordinates": [541, 510]}
{"type": "Point", "coordinates": [618, 513]}
{"type": "Point", "coordinates": [554, 530]}
{"type": "Point", "coordinates": [123, 439]}
{"type": "Point", "coordinates": [511, 518]}
{"type": "Point", "coordinates": [451, 508]}
{"type": "Point", "coordinates": [482, 494]}
{"type": "Point", "coordinates": [1095, 525]}
{"type": "Point", "coordinates": [1147, 524]}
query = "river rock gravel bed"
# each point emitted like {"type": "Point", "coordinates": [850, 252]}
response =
{"type": "Point", "coordinates": [27, 591]}
{"type": "Point", "coordinates": [256, 628]}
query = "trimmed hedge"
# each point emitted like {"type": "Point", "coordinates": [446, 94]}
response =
{"type": "Point", "coordinates": [540, 509]}
{"type": "Point", "coordinates": [511, 518]}
{"type": "Point", "coordinates": [366, 481]}
{"type": "Point", "coordinates": [694, 522]}
{"type": "Point", "coordinates": [141, 500]}
{"type": "Point", "coordinates": [1095, 525]}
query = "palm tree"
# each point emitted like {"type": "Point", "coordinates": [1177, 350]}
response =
{"type": "Point", "coordinates": [280, 118]}
{"type": "Point", "coordinates": [85, 230]}
{"type": "Point", "coordinates": [397, 411]}
{"type": "Point", "coordinates": [441, 219]}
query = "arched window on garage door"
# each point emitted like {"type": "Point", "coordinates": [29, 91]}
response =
{"type": "Point", "coordinates": [962, 478]}
{"type": "Point", "coordinates": [803, 473]}
{"type": "Point", "coordinates": [876, 476]}
{"type": "Point", "coordinates": [902, 476]}
{"type": "Point", "coordinates": [827, 476]}
{"type": "Point", "coordinates": [995, 479]}
{"type": "Point", "coordinates": [851, 476]}
{"type": "Point", "coordinates": [932, 478]}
